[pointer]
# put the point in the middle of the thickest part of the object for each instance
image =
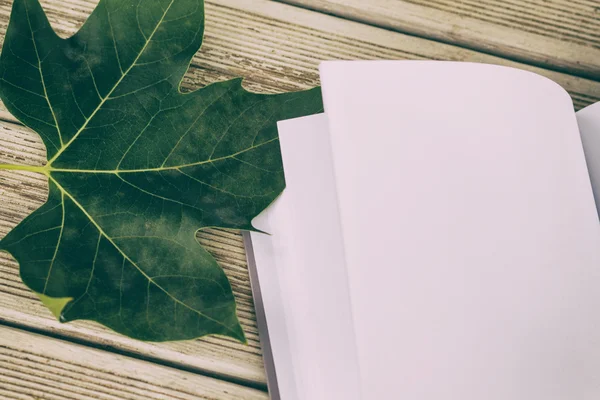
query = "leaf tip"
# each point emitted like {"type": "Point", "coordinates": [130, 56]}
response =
{"type": "Point", "coordinates": [239, 334]}
{"type": "Point", "coordinates": [55, 304]}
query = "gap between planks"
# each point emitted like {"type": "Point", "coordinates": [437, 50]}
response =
{"type": "Point", "coordinates": [38, 367]}
{"type": "Point", "coordinates": [561, 35]}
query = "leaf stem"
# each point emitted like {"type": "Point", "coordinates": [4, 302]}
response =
{"type": "Point", "coordinates": [30, 168]}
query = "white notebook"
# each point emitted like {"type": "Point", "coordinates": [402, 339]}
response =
{"type": "Point", "coordinates": [437, 239]}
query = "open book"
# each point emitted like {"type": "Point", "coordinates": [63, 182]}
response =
{"type": "Point", "coordinates": [437, 239]}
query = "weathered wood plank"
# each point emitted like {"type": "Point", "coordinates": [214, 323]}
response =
{"type": "Point", "coordinates": [276, 47]}
{"type": "Point", "coordinates": [38, 367]}
{"type": "Point", "coordinates": [557, 34]}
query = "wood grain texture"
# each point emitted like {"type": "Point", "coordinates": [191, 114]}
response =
{"type": "Point", "coordinates": [559, 34]}
{"type": "Point", "coordinates": [37, 367]}
{"type": "Point", "coordinates": [276, 47]}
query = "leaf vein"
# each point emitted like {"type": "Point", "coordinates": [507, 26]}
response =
{"type": "Point", "coordinates": [66, 146]}
{"type": "Point", "coordinates": [21, 88]}
{"type": "Point", "coordinates": [112, 34]}
{"type": "Point", "coordinates": [102, 233]}
{"type": "Point", "coordinates": [158, 169]}
{"type": "Point", "coordinates": [194, 123]}
{"type": "Point", "coordinates": [157, 196]}
{"type": "Point", "coordinates": [62, 227]}
{"type": "Point", "coordinates": [37, 54]}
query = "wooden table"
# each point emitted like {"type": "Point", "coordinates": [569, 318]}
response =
{"type": "Point", "coordinates": [275, 46]}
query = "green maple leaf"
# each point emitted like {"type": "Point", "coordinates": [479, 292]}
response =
{"type": "Point", "coordinates": [135, 167]}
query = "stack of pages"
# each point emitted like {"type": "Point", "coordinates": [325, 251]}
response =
{"type": "Point", "coordinates": [438, 239]}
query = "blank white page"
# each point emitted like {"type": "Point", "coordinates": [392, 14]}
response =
{"type": "Point", "coordinates": [302, 274]}
{"type": "Point", "coordinates": [471, 238]}
{"type": "Point", "coordinates": [589, 127]}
